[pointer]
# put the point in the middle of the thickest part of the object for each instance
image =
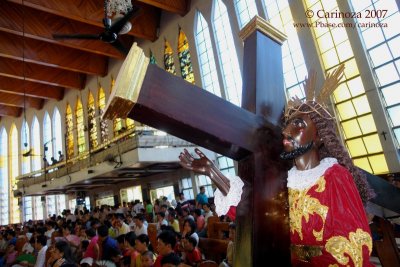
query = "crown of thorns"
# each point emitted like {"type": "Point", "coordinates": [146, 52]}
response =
{"type": "Point", "coordinates": [315, 103]}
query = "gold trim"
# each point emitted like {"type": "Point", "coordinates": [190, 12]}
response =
{"type": "Point", "coordinates": [306, 253]}
{"type": "Point", "coordinates": [260, 24]}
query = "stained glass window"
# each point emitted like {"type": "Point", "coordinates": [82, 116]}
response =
{"type": "Point", "coordinates": [245, 11]}
{"type": "Point", "coordinates": [169, 64]}
{"type": "Point", "coordinates": [101, 103]}
{"type": "Point", "coordinates": [3, 177]}
{"type": "Point", "coordinates": [57, 133]}
{"type": "Point", "coordinates": [383, 48]}
{"type": "Point", "coordinates": [184, 57]}
{"type": "Point", "coordinates": [69, 127]}
{"type": "Point", "coordinates": [92, 125]}
{"type": "Point", "coordinates": [117, 123]}
{"type": "Point", "coordinates": [227, 55]}
{"type": "Point", "coordinates": [350, 99]}
{"type": "Point", "coordinates": [14, 172]}
{"type": "Point", "coordinates": [80, 126]}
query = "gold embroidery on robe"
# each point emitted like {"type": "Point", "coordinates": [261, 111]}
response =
{"type": "Point", "coordinates": [303, 205]}
{"type": "Point", "coordinates": [338, 246]}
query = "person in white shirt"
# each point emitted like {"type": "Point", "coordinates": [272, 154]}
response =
{"type": "Point", "coordinates": [70, 217]}
{"type": "Point", "coordinates": [161, 221]}
{"type": "Point", "coordinates": [207, 212]}
{"type": "Point", "coordinates": [49, 232]}
{"type": "Point", "coordinates": [140, 227]}
{"type": "Point", "coordinates": [41, 247]}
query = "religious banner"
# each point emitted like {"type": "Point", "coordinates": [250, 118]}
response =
{"type": "Point", "coordinates": [184, 57]}
{"type": "Point", "coordinates": [169, 58]}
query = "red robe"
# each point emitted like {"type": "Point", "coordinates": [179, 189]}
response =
{"type": "Point", "coordinates": [330, 214]}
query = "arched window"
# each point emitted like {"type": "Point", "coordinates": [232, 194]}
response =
{"type": "Point", "coordinates": [92, 125]}
{"type": "Point", "coordinates": [245, 11]}
{"type": "Point", "coordinates": [101, 103]}
{"type": "Point", "coordinates": [117, 123]}
{"type": "Point", "coordinates": [3, 177]}
{"type": "Point", "coordinates": [169, 64]}
{"type": "Point", "coordinates": [25, 147]}
{"type": "Point", "coordinates": [57, 133]}
{"type": "Point", "coordinates": [205, 54]}
{"type": "Point", "coordinates": [80, 132]}
{"type": "Point", "coordinates": [210, 82]}
{"type": "Point", "coordinates": [294, 67]}
{"type": "Point", "coordinates": [69, 134]}
{"type": "Point", "coordinates": [36, 158]}
{"type": "Point", "coordinates": [14, 172]}
{"type": "Point", "coordinates": [184, 57]}
{"type": "Point", "coordinates": [47, 138]}
{"type": "Point", "coordinates": [227, 55]}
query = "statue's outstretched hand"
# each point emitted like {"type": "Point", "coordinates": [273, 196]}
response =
{"type": "Point", "coordinates": [205, 166]}
{"type": "Point", "coordinates": [201, 165]}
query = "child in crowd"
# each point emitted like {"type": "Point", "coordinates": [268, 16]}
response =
{"type": "Point", "coordinates": [147, 259]}
{"type": "Point", "coordinates": [228, 262]}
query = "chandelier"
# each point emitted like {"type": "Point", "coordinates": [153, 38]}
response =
{"type": "Point", "coordinates": [115, 7]}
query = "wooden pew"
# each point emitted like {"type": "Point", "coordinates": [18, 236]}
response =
{"type": "Point", "coordinates": [216, 229]}
{"type": "Point", "coordinates": [152, 233]}
{"type": "Point", "coordinates": [386, 248]}
{"type": "Point", "coordinates": [213, 249]}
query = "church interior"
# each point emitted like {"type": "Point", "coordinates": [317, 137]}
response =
{"type": "Point", "coordinates": [60, 61]}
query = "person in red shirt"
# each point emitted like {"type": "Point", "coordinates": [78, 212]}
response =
{"type": "Point", "coordinates": [192, 252]}
{"type": "Point", "coordinates": [166, 242]}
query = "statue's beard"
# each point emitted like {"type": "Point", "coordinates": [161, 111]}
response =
{"type": "Point", "coordinates": [297, 152]}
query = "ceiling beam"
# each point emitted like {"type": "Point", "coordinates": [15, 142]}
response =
{"type": "Point", "coordinates": [91, 12]}
{"type": "Point", "coordinates": [42, 53]}
{"type": "Point", "coordinates": [180, 7]}
{"type": "Point", "coordinates": [10, 111]}
{"type": "Point", "coordinates": [13, 100]}
{"type": "Point", "coordinates": [41, 74]}
{"type": "Point", "coordinates": [40, 25]}
{"type": "Point", "coordinates": [32, 89]}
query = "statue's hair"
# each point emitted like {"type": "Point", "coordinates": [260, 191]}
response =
{"type": "Point", "coordinates": [332, 146]}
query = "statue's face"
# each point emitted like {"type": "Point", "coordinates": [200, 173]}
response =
{"type": "Point", "coordinates": [299, 136]}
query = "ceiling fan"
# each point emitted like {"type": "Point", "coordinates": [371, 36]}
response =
{"type": "Point", "coordinates": [111, 30]}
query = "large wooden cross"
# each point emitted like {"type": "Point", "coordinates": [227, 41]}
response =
{"type": "Point", "coordinates": [251, 134]}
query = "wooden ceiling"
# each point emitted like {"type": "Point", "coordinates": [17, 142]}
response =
{"type": "Point", "coordinates": [35, 67]}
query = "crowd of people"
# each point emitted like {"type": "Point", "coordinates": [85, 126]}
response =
{"type": "Point", "coordinates": [111, 236]}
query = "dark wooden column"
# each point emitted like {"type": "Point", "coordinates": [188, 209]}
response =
{"type": "Point", "coordinates": [262, 215]}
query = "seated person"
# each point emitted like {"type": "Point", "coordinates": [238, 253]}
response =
{"type": "Point", "coordinates": [192, 252]}
{"type": "Point", "coordinates": [228, 262]}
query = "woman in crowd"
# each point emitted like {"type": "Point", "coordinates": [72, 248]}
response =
{"type": "Point", "coordinates": [189, 229]}
{"type": "Point", "coordinates": [61, 255]}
